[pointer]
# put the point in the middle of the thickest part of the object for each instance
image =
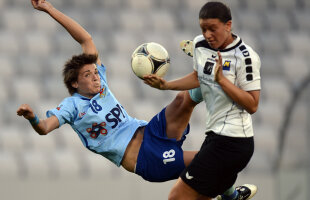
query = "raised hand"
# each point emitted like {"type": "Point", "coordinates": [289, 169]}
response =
{"type": "Point", "coordinates": [26, 111]}
{"type": "Point", "coordinates": [218, 72]}
{"type": "Point", "coordinates": [41, 5]}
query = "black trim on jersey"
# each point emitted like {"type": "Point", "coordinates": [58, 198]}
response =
{"type": "Point", "coordinates": [249, 69]}
{"type": "Point", "coordinates": [242, 47]}
{"type": "Point", "coordinates": [205, 44]}
{"type": "Point", "coordinates": [248, 61]}
{"type": "Point", "coordinates": [249, 77]}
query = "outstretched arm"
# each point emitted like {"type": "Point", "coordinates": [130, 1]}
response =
{"type": "Point", "coordinates": [42, 127]}
{"type": "Point", "coordinates": [190, 81]}
{"type": "Point", "coordinates": [74, 29]}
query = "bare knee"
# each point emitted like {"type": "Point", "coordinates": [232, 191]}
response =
{"type": "Point", "coordinates": [173, 195]}
{"type": "Point", "coordinates": [179, 99]}
{"type": "Point", "coordinates": [183, 101]}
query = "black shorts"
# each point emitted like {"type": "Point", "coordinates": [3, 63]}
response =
{"type": "Point", "coordinates": [216, 166]}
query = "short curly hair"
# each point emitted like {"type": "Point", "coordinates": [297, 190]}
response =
{"type": "Point", "coordinates": [72, 67]}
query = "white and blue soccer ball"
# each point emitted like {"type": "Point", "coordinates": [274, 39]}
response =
{"type": "Point", "coordinates": [150, 58]}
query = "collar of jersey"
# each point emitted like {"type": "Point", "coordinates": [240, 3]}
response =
{"type": "Point", "coordinates": [229, 47]}
{"type": "Point", "coordinates": [81, 97]}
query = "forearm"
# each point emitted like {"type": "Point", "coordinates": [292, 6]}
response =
{"type": "Point", "coordinates": [187, 82]}
{"type": "Point", "coordinates": [44, 126]}
{"type": "Point", "coordinates": [74, 29]}
{"type": "Point", "coordinates": [40, 128]}
{"type": "Point", "coordinates": [245, 99]}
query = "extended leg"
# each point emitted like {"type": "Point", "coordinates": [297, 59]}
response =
{"type": "Point", "coordinates": [178, 114]}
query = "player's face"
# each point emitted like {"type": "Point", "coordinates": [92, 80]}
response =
{"type": "Point", "coordinates": [88, 82]}
{"type": "Point", "coordinates": [217, 34]}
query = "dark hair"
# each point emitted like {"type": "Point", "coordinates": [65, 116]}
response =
{"type": "Point", "coordinates": [72, 67]}
{"type": "Point", "coordinates": [217, 10]}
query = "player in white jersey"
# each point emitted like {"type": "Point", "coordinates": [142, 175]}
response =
{"type": "Point", "coordinates": [228, 73]}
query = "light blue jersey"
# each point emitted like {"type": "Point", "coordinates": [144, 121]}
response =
{"type": "Point", "coordinates": [102, 123]}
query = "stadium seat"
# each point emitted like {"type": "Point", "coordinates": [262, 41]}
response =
{"type": "Point", "coordinates": [272, 113]}
{"type": "Point", "coordinates": [251, 20]}
{"type": "Point", "coordinates": [104, 22]}
{"type": "Point", "coordinates": [43, 24]}
{"type": "Point", "coordinates": [193, 6]}
{"type": "Point", "coordinates": [301, 17]}
{"type": "Point", "coordinates": [285, 4]}
{"type": "Point", "coordinates": [45, 144]}
{"type": "Point", "coordinates": [277, 90]}
{"type": "Point", "coordinates": [272, 66]}
{"type": "Point", "coordinates": [10, 167]}
{"type": "Point", "coordinates": [294, 75]}
{"type": "Point", "coordinates": [12, 139]}
{"type": "Point", "coordinates": [261, 5]}
{"type": "Point", "coordinates": [4, 95]}
{"type": "Point", "coordinates": [145, 5]}
{"type": "Point", "coordinates": [67, 164]}
{"type": "Point", "coordinates": [297, 41]}
{"type": "Point", "coordinates": [26, 91]}
{"type": "Point", "coordinates": [54, 89]}
{"type": "Point", "coordinates": [38, 165]}
{"type": "Point", "coordinates": [279, 21]}
{"type": "Point", "coordinates": [10, 43]}
{"type": "Point", "coordinates": [162, 20]}
{"type": "Point", "coordinates": [63, 43]}
{"type": "Point", "coordinates": [20, 22]}
{"type": "Point", "coordinates": [71, 140]}
{"type": "Point", "coordinates": [140, 23]}
{"type": "Point", "coordinates": [273, 44]}
{"type": "Point", "coordinates": [251, 38]}
{"type": "Point", "coordinates": [27, 66]}
{"type": "Point", "coordinates": [266, 140]}
{"type": "Point", "coordinates": [172, 5]}
{"type": "Point", "coordinates": [100, 168]}
{"type": "Point", "coordinates": [37, 43]}
{"type": "Point", "coordinates": [189, 21]}
{"type": "Point", "coordinates": [115, 5]}
{"type": "Point", "coordinates": [125, 42]}
{"type": "Point", "coordinates": [82, 4]}
{"type": "Point", "coordinates": [7, 67]}
{"type": "Point", "coordinates": [306, 4]}
{"type": "Point", "coordinates": [125, 95]}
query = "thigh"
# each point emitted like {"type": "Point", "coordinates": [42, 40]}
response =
{"type": "Point", "coordinates": [216, 165]}
{"type": "Point", "coordinates": [160, 158]}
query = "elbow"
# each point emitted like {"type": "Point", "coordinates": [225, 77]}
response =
{"type": "Point", "coordinates": [252, 110]}
{"type": "Point", "coordinates": [42, 132]}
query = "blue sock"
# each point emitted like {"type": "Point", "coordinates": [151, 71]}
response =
{"type": "Point", "coordinates": [230, 197]}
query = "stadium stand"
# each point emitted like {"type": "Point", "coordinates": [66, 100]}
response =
{"type": "Point", "coordinates": [33, 49]}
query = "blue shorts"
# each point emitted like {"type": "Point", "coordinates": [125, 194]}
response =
{"type": "Point", "coordinates": [160, 158]}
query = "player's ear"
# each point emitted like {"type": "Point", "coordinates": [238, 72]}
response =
{"type": "Point", "coordinates": [75, 84]}
{"type": "Point", "coordinates": [228, 25]}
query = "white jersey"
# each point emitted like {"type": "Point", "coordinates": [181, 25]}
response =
{"type": "Point", "coordinates": [241, 66]}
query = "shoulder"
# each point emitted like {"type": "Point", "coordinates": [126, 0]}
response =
{"type": "Point", "coordinates": [247, 53]}
{"type": "Point", "coordinates": [198, 39]}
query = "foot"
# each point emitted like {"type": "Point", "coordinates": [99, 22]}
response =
{"type": "Point", "coordinates": [187, 47]}
{"type": "Point", "coordinates": [246, 191]}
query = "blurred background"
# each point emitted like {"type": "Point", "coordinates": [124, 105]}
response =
{"type": "Point", "coordinates": [33, 49]}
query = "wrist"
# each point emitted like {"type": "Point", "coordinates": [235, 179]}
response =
{"type": "Point", "coordinates": [34, 121]}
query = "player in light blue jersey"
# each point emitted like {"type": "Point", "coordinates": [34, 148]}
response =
{"type": "Point", "coordinates": [152, 149]}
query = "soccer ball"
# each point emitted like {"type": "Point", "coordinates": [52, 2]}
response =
{"type": "Point", "coordinates": [150, 58]}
